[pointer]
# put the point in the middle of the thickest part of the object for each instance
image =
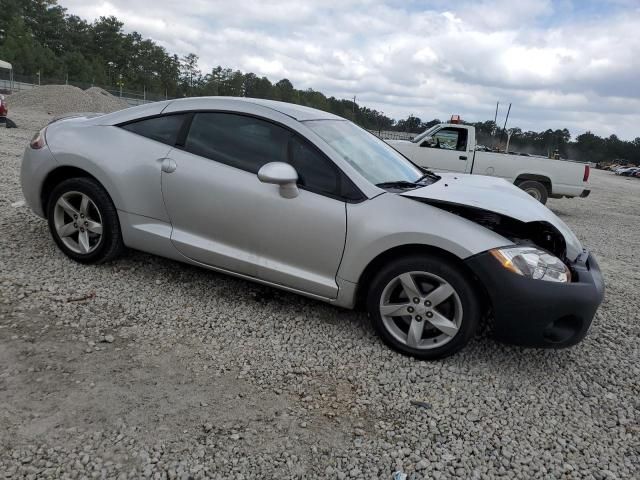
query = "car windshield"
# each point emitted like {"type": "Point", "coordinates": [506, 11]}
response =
{"type": "Point", "coordinates": [426, 133]}
{"type": "Point", "coordinates": [370, 156]}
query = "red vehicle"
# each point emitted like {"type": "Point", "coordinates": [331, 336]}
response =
{"type": "Point", "coordinates": [3, 106]}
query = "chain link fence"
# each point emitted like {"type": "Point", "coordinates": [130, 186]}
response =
{"type": "Point", "coordinates": [27, 82]}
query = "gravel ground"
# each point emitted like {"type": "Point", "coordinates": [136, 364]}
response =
{"type": "Point", "coordinates": [151, 368]}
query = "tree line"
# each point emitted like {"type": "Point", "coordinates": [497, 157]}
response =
{"type": "Point", "coordinates": [40, 37]}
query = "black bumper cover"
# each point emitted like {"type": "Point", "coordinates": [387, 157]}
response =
{"type": "Point", "coordinates": [538, 313]}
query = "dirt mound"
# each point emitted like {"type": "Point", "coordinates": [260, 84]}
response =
{"type": "Point", "coordinates": [103, 101]}
{"type": "Point", "coordinates": [61, 99]}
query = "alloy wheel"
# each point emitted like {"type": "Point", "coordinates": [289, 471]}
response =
{"type": "Point", "coordinates": [421, 310]}
{"type": "Point", "coordinates": [78, 222]}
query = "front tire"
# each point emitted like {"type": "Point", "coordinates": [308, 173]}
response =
{"type": "Point", "coordinates": [84, 222]}
{"type": "Point", "coordinates": [424, 306]}
{"type": "Point", "coordinates": [536, 189]}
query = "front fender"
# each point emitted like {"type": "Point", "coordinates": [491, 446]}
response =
{"type": "Point", "coordinates": [390, 221]}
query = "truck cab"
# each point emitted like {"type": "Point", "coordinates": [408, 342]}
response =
{"type": "Point", "coordinates": [446, 147]}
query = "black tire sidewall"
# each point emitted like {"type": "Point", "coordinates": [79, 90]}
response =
{"type": "Point", "coordinates": [444, 269]}
{"type": "Point", "coordinates": [544, 193]}
{"type": "Point", "coordinates": [110, 222]}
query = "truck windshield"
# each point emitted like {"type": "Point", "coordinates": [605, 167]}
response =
{"type": "Point", "coordinates": [370, 156]}
{"type": "Point", "coordinates": [418, 138]}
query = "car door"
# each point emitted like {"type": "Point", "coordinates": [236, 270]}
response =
{"type": "Point", "coordinates": [446, 150]}
{"type": "Point", "coordinates": [301, 239]}
{"type": "Point", "coordinates": [223, 216]}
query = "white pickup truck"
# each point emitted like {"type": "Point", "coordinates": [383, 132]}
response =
{"type": "Point", "coordinates": [451, 147]}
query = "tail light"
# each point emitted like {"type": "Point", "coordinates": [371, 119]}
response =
{"type": "Point", "coordinates": [587, 170]}
{"type": "Point", "coordinates": [38, 140]}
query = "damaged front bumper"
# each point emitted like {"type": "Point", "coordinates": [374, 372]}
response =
{"type": "Point", "coordinates": [538, 313]}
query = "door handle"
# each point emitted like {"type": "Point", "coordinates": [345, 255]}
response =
{"type": "Point", "coordinates": [462, 157]}
{"type": "Point", "coordinates": [169, 165]}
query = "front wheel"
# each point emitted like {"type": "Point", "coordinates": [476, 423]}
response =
{"type": "Point", "coordinates": [423, 306]}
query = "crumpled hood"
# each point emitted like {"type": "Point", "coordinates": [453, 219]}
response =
{"type": "Point", "coordinates": [498, 196]}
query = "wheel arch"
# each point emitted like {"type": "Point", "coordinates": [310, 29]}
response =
{"type": "Point", "coordinates": [394, 253]}
{"type": "Point", "coordinates": [543, 179]}
{"type": "Point", "coordinates": [59, 174]}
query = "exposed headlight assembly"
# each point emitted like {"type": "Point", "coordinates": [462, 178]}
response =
{"type": "Point", "coordinates": [533, 263]}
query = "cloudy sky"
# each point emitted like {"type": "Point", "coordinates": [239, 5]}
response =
{"type": "Point", "coordinates": [564, 63]}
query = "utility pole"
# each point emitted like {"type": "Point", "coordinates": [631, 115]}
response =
{"type": "Point", "coordinates": [505, 122]}
{"type": "Point", "coordinates": [110, 68]}
{"type": "Point", "coordinates": [494, 130]}
{"type": "Point", "coordinates": [354, 108]}
{"type": "Point", "coordinates": [506, 118]}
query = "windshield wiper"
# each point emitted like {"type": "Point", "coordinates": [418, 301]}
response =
{"type": "Point", "coordinates": [397, 184]}
{"type": "Point", "coordinates": [428, 174]}
{"type": "Point", "coordinates": [420, 182]}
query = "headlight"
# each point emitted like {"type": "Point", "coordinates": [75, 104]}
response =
{"type": "Point", "coordinates": [533, 263]}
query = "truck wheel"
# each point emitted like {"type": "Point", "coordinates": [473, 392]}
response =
{"type": "Point", "coordinates": [536, 189]}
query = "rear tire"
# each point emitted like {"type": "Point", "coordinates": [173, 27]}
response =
{"type": "Point", "coordinates": [83, 221]}
{"type": "Point", "coordinates": [424, 306]}
{"type": "Point", "coordinates": [536, 189]}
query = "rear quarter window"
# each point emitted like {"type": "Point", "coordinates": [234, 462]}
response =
{"type": "Point", "coordinates": [163, 129]}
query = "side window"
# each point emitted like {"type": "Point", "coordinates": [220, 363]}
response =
{"type": "Point", "coordinates": [450, 139]}
{"type": "Point", "coordinates": [163, 129]}
{"type": "Point", "coordinates": [315, 172]}
{"type": "Point", "coordinates": [242, 142]}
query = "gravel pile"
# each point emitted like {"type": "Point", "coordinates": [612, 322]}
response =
{"type": "Point", "coordinates": [61, 99]}
{"type": "Point", "coordinates": [147, 368]}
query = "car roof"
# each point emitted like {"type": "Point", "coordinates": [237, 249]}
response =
{"type": "Point", "coordinates": [268, 108]}
{"type": "Point", "coordinates": [298, 112]}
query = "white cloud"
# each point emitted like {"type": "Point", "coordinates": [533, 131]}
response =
{"type": "Point", "coordinates": [565, 63]}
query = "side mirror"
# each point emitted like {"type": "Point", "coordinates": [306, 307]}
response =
{"type": "Point", "coordinates": [282, 174]}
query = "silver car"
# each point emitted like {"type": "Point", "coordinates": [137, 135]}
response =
{"type": "Point", "coordinates": [308, 202]}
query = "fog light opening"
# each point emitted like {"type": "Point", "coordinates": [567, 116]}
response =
{"type": "Point", "coordinates": [563, 330]}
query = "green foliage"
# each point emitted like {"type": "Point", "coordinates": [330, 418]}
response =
{"type": "Point", "coordinates": [40, 36]}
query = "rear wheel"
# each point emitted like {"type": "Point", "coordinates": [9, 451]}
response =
{"type": "Point", "coordinates": [536, 189]}
{"type": "Point", "coordinates": [423, 306]}
{"type": "Point", "coordinates": [84, 222]}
